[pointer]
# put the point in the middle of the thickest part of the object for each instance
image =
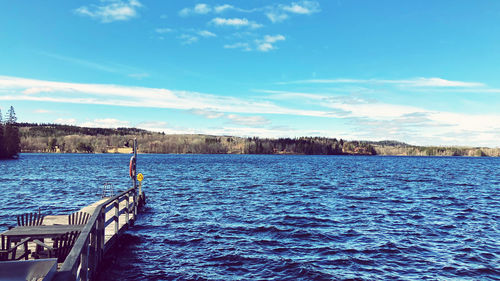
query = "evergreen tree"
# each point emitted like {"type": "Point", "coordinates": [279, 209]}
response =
{"type": "Point", "coordinates": [2, 143]}
{"type": "Point", "coordinates": [11, 135]}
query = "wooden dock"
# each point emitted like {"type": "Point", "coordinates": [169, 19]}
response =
{"type": "Point", "coordinates": [110, 217]}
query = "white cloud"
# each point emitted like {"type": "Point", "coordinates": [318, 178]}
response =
{"type": "Point", "coordinates": [106, 123]}
{"type": "Point", "coordinates": [275, 38]}
{"type": "Point", "coordinates": [304, 7]}
{"type": "Point", "coordinates": [200, 9]}
{"type": "Point", "coordinates": [206, 33]}
{"type": "Point", "coordinates": [266, 44]}
{"type": "Point", "coordinates": [235, 22]}
{"type": "Point", "coordinates": [70, 121]}
{"type": "Point", "coordinates": [435, 82]}
{"type": "Point", "coordinates": [222, 8]}
{"type": "Point", "coordinates": [279, 13]}
{"type": "Point", "coordinates": [263, 45]}
{"type": "Point", "coordinates": [276, 16]}
{"type": "Point", "coordinates": [37, 90]}
{"type": "Point", "coordinates": [116, 10]}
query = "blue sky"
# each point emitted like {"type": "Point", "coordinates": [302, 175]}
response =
{"type": "Point", "coordinates": [422, 72]}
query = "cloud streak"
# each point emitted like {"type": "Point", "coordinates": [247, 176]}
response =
{"type": "Point", "coordinates": [416, 82]}
{"type": "Point", "coordinates": [135, 97]}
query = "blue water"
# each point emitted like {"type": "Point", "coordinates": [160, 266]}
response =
{"type": "Point", "coordinates": [272, 217]}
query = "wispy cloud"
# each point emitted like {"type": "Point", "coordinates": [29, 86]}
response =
{"type": "Point", "coordinates": [101, 66]}
{"type": "Point", "coordinates": [210, 114]}
{"type": "Point", "coordinates": [82, 62]}
{"type": "Point", "coordinates": [254, 120]}
{"type": "Point", "coordinates": [303, 7]}
{"type": "Point", "coordinates": [223, 8]}
{"type": "Point", "coordinates": [138, 75]}
{"type": "Point", "coordinates": [281, 12]}
{"type": "Point", "coordinates": [239, 45]}
{"type": "Point", "coordinates": [200, 9]}
{"type": "Point", "coordinates": [206, 33]}
{"type": "Point", "coordinates": [235, 22]}
{"type": "Point", "coordinates": [188, 39]}
{"type": "Point", "coordinates": [62, 92]}
{"type": "Point", "coordinates": [266, 44]}
{"type": "Point", "coordinates": [248, 120]}
{"type": "Point", "coordinates": [276, 16]}
{"type": "Point", "coordinates": [416, 82]}
{"type": "Point", "coordinates": [112, 10]}
{"type": "Point", "coordinates": [203, 9]}
{"type": "Point", "coordinates": [163, 30]}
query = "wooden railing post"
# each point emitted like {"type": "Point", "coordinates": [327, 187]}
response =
{"type": "Point", "coordinates": [127, 205]}
{"type": "Point", "coordinates": [101, 235]}
{"type": "Point", "coordinates": [117, 214]}
{"type": "Point", "coordinates": [84, 261]}
{"type": "Point", "coordinates": [93, 251]}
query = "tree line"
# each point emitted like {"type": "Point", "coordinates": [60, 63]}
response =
{"type": "Point", "coordinates": [9, 135]}
{"type": "Point", "coordinates": [73, 139]}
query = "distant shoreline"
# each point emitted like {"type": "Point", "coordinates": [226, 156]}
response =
{"type": "Point", "coordinates": [283, 154]}
{"type": "Point", "coordinates": [55, 138]}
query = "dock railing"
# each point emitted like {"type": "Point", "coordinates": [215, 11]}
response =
{"type": "Point", "coordinates": [90, 247]}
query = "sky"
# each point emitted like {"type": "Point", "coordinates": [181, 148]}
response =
{"type": "Point", "coordinates": [421, 72]}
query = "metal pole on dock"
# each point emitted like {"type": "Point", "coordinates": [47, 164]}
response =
{"type": "Point", "coordinates": [135, 166]}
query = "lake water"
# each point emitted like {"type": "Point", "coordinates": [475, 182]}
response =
{"type": "Point", "coordinates": [281, 217]}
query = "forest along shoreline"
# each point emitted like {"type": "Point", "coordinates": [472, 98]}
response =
{"type": "Point", "coordinates": [55, 138]}
{"type": "Point", "coordinates": [9, 135]}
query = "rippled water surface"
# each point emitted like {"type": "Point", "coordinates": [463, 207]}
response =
{"type": "Point", "coordinates": [271, 217]}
